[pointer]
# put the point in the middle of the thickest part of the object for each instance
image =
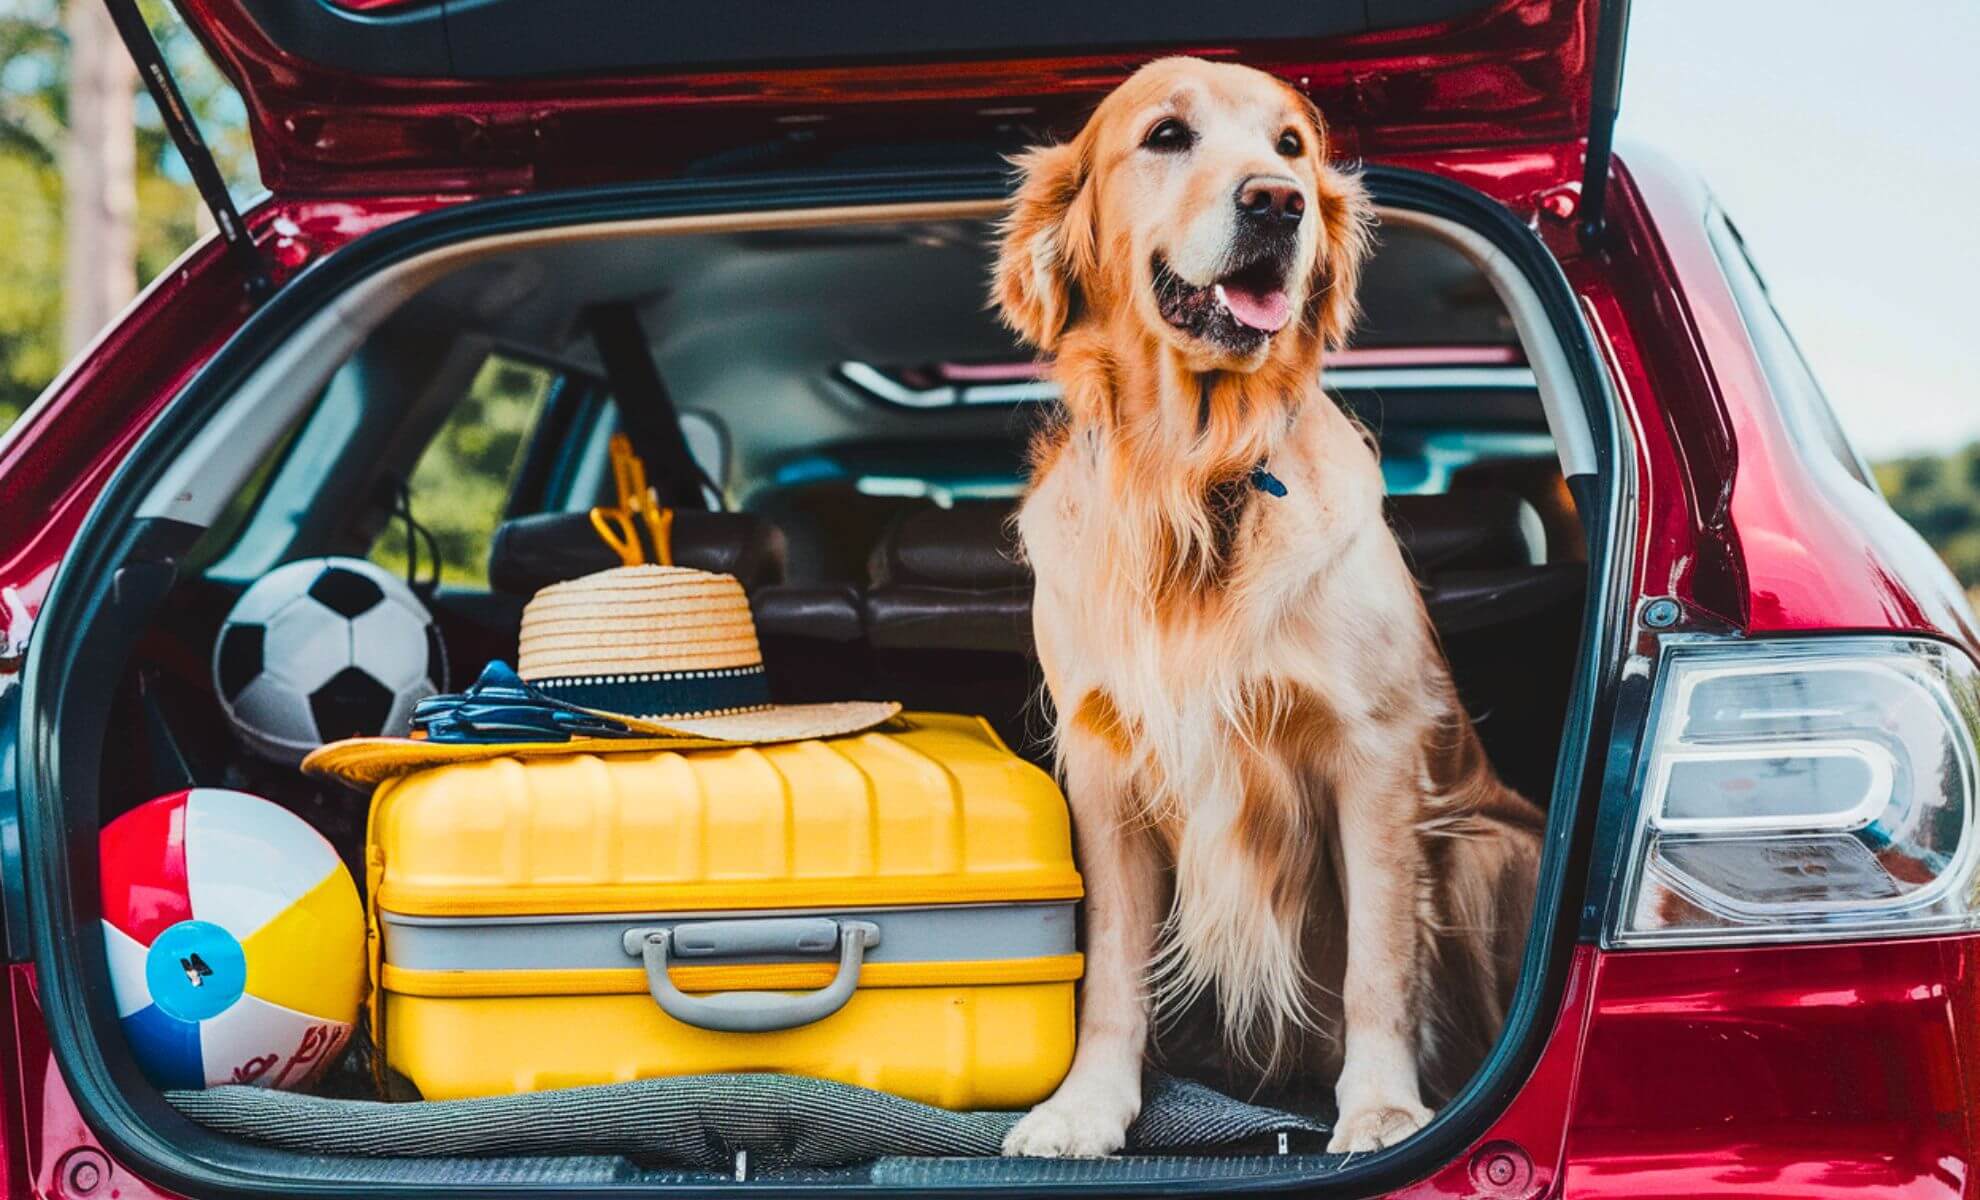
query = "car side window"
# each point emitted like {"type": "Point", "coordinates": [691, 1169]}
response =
{"type": "Point", "coordinates": [1810, 418]}
{"type": "Point", "coordinates": [459, 489]}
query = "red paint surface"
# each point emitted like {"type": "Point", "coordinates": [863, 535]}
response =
{"type": "Point", "coordinates": [1517, 74]}
{"type": "Point", "coordinates": [1798, 1072]}
{"type": "Point", "coordinates": [47, 1138]}
{"type": "Point", "coordinates": [1788, 542]}
{"type": "Point", "coordinates": [62, 450]}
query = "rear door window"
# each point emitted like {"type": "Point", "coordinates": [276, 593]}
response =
{"type": "Point", "coordinates": [461, 487]}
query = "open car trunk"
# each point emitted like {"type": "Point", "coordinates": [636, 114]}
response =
{"type": "Point", "coordinates": [869, 447]}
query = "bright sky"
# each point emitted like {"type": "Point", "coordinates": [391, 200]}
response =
{"type": "Point", "coordinates": [1844, 140]}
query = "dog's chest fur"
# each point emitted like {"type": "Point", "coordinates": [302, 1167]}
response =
{"type": "Point", "coordinates": [1233, 708]}
{"type": "Point", "coordinates": [1303, 588]}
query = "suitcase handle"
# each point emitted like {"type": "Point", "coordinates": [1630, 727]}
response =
{"type": "Point", "coordinates": [752, 1012]}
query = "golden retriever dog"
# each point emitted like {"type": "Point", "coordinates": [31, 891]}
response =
{"type": "Point", "coordinates": [1281, 807]}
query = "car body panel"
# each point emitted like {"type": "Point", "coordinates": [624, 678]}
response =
{"type": "Point", "coordinates": [59, 1158]}
{"type": "Point", "coordinates": [1789, 1071]}
{"type": "Point", "coordinates": [1515, 73]}
{"type": "Point", "coordinates": [1735, 518]}
{"type": "Point", "coordinates": [1814, 549]}
{"type": "Point", "coordinates": [61, 451]}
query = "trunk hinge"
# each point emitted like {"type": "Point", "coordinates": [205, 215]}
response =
{"type": "Point", "coordinates": [179, 124]}
{"type": "Point", "coordinates": [1611, 37]}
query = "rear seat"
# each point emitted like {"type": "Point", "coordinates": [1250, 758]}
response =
{"type": "Point", "coordinates": [530, 552]}
{"type": "Point", "coordinates": [944, 623]}
{"type": "Point", "coordinates": [815, 631]}
{"type": "Point", "coordinates": [946, 619]}
{"type": "Point", "coordinates": [951, 579]}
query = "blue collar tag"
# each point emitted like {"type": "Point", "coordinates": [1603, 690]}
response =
{"type": "Point", "coordinates": [1266, 482]}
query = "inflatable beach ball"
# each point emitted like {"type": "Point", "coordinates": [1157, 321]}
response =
{"type": "Point", "coordinates": [235, 938]}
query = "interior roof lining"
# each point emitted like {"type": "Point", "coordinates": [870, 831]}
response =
{"type": "Point", "coordinates": [196, 489]}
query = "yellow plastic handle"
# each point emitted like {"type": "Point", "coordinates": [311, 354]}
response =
{"type": "Point", "coordinates": [637, 501]}
{"type": "Point", "coordinates": [615, 529]}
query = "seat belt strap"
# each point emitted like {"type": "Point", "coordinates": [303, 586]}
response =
{"type": "Point", "coordinates": [646, 412]}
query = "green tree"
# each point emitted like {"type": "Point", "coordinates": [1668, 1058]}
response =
{"type": "Point", "coordinates": [34, 77]}
{"type": "Point", "coordinates": [462, 479]}
{"type": "Point", "coordinates": [1940, 496]}
{"type": "Point", "coordinates": [33, 55]}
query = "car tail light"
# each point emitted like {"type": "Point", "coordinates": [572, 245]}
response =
{"type": "Point", "coordinates": [1807, 789]}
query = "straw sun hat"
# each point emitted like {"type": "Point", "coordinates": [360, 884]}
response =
{"type": "Point", "coordinates": [634, 658]}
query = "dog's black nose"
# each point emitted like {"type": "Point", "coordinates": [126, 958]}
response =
{"type": "Point", "coordinates": [1271, 201]}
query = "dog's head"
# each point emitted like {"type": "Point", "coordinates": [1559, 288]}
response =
{"type": "Point", "coordinates": [1197, 201]}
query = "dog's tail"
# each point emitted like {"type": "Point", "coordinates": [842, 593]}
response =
{"type": "Point", "coordinates": [1483, 862]}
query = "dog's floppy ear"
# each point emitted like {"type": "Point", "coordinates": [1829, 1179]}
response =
{"type": "Point", "coordinates": [1047, 249]}
{"type": "Point", "coordinates": [1347, 220]}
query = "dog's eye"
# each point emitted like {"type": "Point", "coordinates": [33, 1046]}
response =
{"type": "Point", "coordinates": [1168, 134]}
{"type": "Point", "coordinates": [1290, 145]}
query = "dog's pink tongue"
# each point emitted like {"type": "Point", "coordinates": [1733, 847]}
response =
{"type": "Point", "coordinates": [1267, 311]}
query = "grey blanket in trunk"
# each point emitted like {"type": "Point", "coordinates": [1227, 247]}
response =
{"type": "Point", "coordinates": [701, 1121]}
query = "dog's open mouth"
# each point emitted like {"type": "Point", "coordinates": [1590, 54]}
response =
{"type": "Point", "coordinates": [1240, 309]}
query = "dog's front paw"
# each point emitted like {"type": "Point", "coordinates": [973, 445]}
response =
{"type": "Point", "coordinates": [1373, 1126]}
{"type": "Point", "coordinates": [1087, 1123]}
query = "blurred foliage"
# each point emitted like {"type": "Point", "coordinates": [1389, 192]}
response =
{"type": "Point", "coordinates": [33, 54]}
{"type": "Point", "coordinates": [1940, 496]}
{"type": "Point", "coordinates": [30, 279]}
{"type": "Point", "coordinates": [33, 117]}
{"type": "Point", "coordinates": [461, 482]}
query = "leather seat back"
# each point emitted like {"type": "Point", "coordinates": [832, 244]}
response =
{"type": "Point", "coordinates": [531, 552]}
{"type": "Point", "coordinates": [951, 579]}
{"type": "Point", "coordinates": [973, 545]}
{"type": "Point", "coordinates": [945, 622]}
{"type": "Point", "coordinates": [1469, 530]}
{"type": "Point", "coordinates": [955, 578]}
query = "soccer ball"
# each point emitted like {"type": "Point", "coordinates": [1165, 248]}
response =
{"type": "Point", "coordinates": [235, 939]}
{"type": "Point", "coordinates": [322, 649]}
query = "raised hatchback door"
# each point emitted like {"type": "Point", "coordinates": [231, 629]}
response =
{"type": "Point", "coordinates": [366, 96]}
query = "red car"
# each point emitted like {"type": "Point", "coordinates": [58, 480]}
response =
{"type": "Point", "coordinates": [1745, 690]}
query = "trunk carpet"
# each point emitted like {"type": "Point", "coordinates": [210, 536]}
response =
{"type": "Point", "coordinates": [705, 1121]}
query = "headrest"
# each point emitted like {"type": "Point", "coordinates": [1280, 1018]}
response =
{"type": "Point", "coordinates": [1467, 530]}
{"type": "Point", "coordinates": [530, 553]}
{"type": "Point", "coordinates": [972, 545]}
{"type": "Point", "coordinates": [1540, 482]}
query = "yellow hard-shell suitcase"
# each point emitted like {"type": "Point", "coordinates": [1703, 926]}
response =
{"type": "Point", "coordinates": [893, 909]}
